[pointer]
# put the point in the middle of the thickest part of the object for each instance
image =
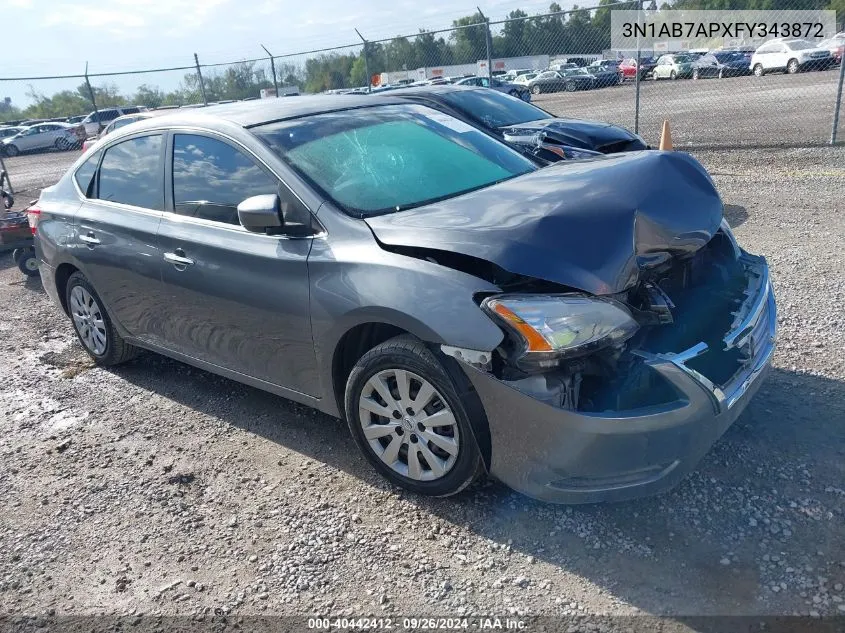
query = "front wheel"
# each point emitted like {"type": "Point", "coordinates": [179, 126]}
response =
{"type": "Point", "coordinates": [721, 73]}
{"type": "Point", "coordinates": [405, 415]}
{"type": "Point", "coordinates": [93, 325]}
{"type": "Point", "coordinates": [673, 75]}
{"type": "Point", "coordinates": [792, 66]}
{"type": "Point", "coordinates": [535, 89]}
{"type": "Point", "coordinates": [62, 144]}
{"type": "Point", "coordinates": [569, 86]}
{"type": "Point", "coordinates": [758, 70]}
{"type": "Point", "coordinates": [695, 74]}
{"type": "Point", "coordinates": [12, 150]}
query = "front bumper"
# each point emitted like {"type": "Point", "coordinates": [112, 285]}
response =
{"type": "Point", "coordinates": [566, 456]}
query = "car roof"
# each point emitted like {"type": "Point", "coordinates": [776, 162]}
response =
{"type": "Point", "coordinates": [436, 90]}
{"type": "Point", "coordinates": [251, 113]}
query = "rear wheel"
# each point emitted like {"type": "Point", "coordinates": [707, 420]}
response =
{"type": "Point", "coordinates": [93, 325]}
{"type": "Point", "coordinates": [695, 74]}
{"type": "Point", "coordinates": [405, 415]}
{"type": "Point", "coordinates": [535, 89]}
{"type": "Point", "coordinates": [792, 66]}
{"type": "Point", "coordinates": [721, 73]}
{"type": "Point", "coordinates": [673, 75]}
{"type": "Point", "coordinates": [62, 144]}
{"type": "Point", "coordinates": [27, 262]}
{"type": "Point", "coordinates": [569, 86]}
{"type": "Point", "coordinates": [758, 70]}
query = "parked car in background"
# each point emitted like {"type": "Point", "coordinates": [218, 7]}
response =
{"type": "Point", "coordinates": [11, 130]}
{"type": "Point", "coordinates": [546, 81]}
{"type": "Point", "coordinates": [629, 68]}
{"type": "Point", "coordinates": [96, 121]}
{"type": "Point", "coordinates": [74, 120]}
{"type": "Point", "coordinates": [746, 51]}
{"type": "Point", "coordinates": [61, 136]}
{"type": "Point", "coordinates": [513, 74]}
{"type": "Point", "coordinates": [673, 66]}
{"type": "Point", "coordinates": [523, 123]}
{"type": "Point", "coordinates": [514, 90]}
{"type": "Point", "coordinates": [525, 79]}
{"type": "Point", "coordinates": [448, 289]}
{"type": "Point", "coordinates": [790, 56]}
{"type": "Point", "coordinates": [836, 46]}
{"type": "Point", "coordinates": [120, 122]}
{"type": "Point", "coordinates": [562, 66]}
{"type": "Point", "coordinates": [577, 79]}
{"type": "Point", "coordinates": [606, 72]}
{"type": "Point", "coordinates": [721, 64]}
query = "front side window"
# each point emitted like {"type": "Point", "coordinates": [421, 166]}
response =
{"type": "Point", "coordinates": [131, 173]}
{"type": "Point", "coordinates": [494, 109]}
{"type": "Point", "coordinates": [388, 158]}
{"type": "Point", "coordinates": [210, 178]}
{"type": "Point", "coordinates": [84, 176]}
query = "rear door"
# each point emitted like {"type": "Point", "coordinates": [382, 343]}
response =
{"type": "Point", "coordinates": [116, 227]}
{"type": "Point", "coordinates": [235, 299]}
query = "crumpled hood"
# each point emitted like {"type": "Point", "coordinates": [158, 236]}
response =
{"type": "Point", "coordinates": [592, 225]}
{"type": "Point", "coordinates": [575, 132]}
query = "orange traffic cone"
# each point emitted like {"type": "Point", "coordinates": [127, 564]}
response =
{"type": "Point", "coordinates": [666, 137]}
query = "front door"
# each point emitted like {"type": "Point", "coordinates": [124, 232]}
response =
{"type": "Point", "coordinates": [235, 299]}
{"type": "Point", "coordinates": [116, 227]}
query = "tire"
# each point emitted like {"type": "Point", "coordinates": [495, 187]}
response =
{"type": "Point", "coordinates": [695, 74]}
{"type": "Point", "coordinates": [62, 144]}
{"type": "Point", "coordinates": [569, 86]}
{"type": "Point", "coordinates": [17, 254]}
{"type": "Point", "coordinates": [12, 150]}
{"type": "Point", "coordinates": [673, 75]}
{"type": "Point", "coordinates": [115, 350]}
{"type": "Point", "coordinates": [27, 262]}
{"type": "Point", "coordinates": [792, 66]}
{"type": "Point", "coordinates": [514, 93]}
{"type": "Point", "coordinates": [721, 73]}
{"type": "Point", "coordinates": [758, 70]}
{"type": "Point", "coordinates": [406, 356]}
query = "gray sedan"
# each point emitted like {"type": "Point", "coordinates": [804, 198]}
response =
{"type": "Point", "coordinates": [42, 136]}
{"type": "Point", "coordinates": [563, 328]}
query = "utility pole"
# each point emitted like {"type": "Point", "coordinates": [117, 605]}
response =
{"type": "Point", "coordinates": [199, 76]}
{"type": "Point", "coordinates": [366, 61]}
{"type": "Point", "coordinates": [638, 71]}
{"type": "Point", "coordinates": [273, 69]}
{"type": "Point", "coordinates": [90, 89]}
{"type": "Point", "coordinates": [489, 41]}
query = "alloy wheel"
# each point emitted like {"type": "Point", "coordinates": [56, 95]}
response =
{"type": "Point", "coordinates": [408, 425]}
{"type": "Point", "coordinates": [12, 150]}
{"type": "Point", "coordinates": [88, 320]}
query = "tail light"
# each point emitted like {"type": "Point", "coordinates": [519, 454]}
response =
{"type": "Point", "coordinates": [33, 215]}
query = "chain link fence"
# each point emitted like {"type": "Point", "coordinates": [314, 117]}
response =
{"type": "Point", "coordinates": [560, 60]}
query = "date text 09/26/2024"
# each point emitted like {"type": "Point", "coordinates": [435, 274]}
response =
{"type": "Point", "coordinates": [417, 624]}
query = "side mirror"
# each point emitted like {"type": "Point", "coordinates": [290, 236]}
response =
{"type": "Point", "coordinates": [260, 213]}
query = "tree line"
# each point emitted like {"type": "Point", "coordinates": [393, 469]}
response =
{"type": "Point", "coordinates": [581, 30]}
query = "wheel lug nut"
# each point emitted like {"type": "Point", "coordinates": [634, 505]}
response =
{"type": "Point", "coordinates": [413, 438]}
{"type": "Point", "coordinates": [409, 411]}
{"type": "Point", "coordinates": [420, 427]}
{"type": "Point", "coordinates": [400, 430]}
{"type": "Point", "coordinates": [397, 415]}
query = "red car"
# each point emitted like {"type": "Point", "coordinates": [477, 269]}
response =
{"type": "Point", "coordinates": [836, 46]}
{"type": "Point", "coordinates": [629, 68]}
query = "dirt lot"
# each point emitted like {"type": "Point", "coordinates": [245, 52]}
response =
{"type": "Point", "coordinates": [155, 488]}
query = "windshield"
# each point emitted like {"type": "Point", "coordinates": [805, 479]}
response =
{"type": "Point", "coordinates": [389, 158]}
{"type": "Point", "coordinates": [682, 59]}
{"type": "Point", "coordinates": [494, 109]}
{"type": "Point", "coordinates": [726, 57]}
{"type": "Point", "coordinates": [799, 45]}
{"type": "Point", "coordinates": [574, 72]}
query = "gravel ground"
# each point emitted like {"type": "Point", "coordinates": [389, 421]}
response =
{"type": "Point", "coordinates": [156, 488]}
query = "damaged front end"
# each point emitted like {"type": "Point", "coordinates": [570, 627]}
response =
{"type": "Point", "coordinates": [625, 397]}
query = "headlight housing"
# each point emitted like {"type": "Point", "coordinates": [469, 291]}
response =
{"type": "Point", "coordinates": [548, 329]}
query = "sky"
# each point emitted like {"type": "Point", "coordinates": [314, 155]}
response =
{"type": "Point", "coordinates": [55, 37]}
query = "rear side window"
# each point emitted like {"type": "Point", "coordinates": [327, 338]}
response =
{"type": "Point", "coordinates": [210, 178]}
{"type": "Point", "coordinates": [131, 110]}
{"type": "Point", "coordinates": [84, 176]}
{"type": "Point", "coordinates": [106, 115]}
{"type": "Point", "coordinates": [131, 173]}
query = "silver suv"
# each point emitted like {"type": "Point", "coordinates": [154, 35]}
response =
{"type": "Point", "coordinates": [464, 309]}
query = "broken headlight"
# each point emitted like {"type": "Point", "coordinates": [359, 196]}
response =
{"type": "Point", "coordinates": [551, 328]}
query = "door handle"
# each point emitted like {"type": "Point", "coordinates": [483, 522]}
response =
{"type": "Point", "coordinates": [178, 258]}
{"type": "Point", "coordinates": [89, 239]}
